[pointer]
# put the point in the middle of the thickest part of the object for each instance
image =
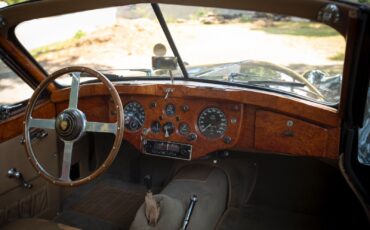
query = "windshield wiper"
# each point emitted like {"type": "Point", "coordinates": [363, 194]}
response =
{"type": "Point", "coordinates": [171, 42]}
{"type": "Point", "coordinates": [232, 76]}
{"type": "Point", "coordinates": [148, 72]}
{"type": "Point", "coordinates": [278, 83]}
{"type": "Point", "coordinates": [107, 72]}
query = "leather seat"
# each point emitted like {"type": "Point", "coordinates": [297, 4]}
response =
{"type": "Point", "coordinates": [39, 224]}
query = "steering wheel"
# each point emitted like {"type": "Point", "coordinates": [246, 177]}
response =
{"type": "Point", "coordinates": [71, 124]}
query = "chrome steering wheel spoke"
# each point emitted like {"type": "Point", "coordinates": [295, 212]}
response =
{"type": "Point", "coordinates": [67, 160]}
{"type": "Point", "coordinates": [41, 123]}
{"type": "Point", "coordinates": [75, 87]}
{"type": "Point", "coordinates": [100, 127]}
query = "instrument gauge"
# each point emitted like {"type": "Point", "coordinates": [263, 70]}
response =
{"type": "Point", "coordinates": [170, 109]}
{"type": "Point", "coordinates": [155, 127]}
{"type": "Point", "coordinates": [212, 123]}
{"type": "Point", "coordinates": [184, 128]}
{"type": "Point", "coordinates": [134, 116]}
{"type": "Point", "coordinates": [168, 129]}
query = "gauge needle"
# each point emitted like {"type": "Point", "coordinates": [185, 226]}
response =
{"type": "Point", "coordinates": [206, 127]}
{"type": "Point", "coordinates": [166, 132]}
{"type": "Point", "coordinates": [138, 121]}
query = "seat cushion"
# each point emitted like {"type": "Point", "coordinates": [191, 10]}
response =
{"type": "Point", "coordinates": [39, 224]}
{"type": "Point", "coordinates": [172, 213]}
{"type": "Point", "coordinates": [210, 184]}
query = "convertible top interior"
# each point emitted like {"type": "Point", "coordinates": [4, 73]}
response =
{"type": "Point", "coordinates": [192, 144]}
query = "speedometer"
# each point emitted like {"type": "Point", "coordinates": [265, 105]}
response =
{"type": "Point", "coordinates": [134, 116]}
{"type": "Point", "coordinates": [212, 123]}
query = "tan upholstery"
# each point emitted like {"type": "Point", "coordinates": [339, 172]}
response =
{"type": "Point", "coordinates": [211, 187]}
{"type": "Point", "coordinates": [208, 183]}
{"type": "Point", "coordinates": [39, 224]}
{"type": "Point", "coordinates": [172, 213]}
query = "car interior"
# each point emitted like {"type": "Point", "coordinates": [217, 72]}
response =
{"type": "Point", "coordinates": [186, 143]}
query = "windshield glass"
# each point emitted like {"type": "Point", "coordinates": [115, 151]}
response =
{"type": "Point", "coordinates": [274, 52]}
{"type": "Point", "coordinates": [267, 50]}
{"type": "Point", "coordinates": [117, 40]}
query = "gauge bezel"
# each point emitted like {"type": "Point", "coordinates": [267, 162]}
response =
{"type": "Point", "coordinates": [172, 125]}
{"type": "Point", "coordinates": [179, 128]}
{"type": "Point", "coordinates": [159, 127]}
{"type": "Point", "coordinates": [141, 127]}
{"type": "Point", "coordinates": [166, 111]}
{"type": "Point", "coordinates": [198, 125]}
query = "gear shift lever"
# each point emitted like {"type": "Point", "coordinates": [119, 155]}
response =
{"type": "Point", "coordinates": [148, 183]}
{"type": "Point", "coordinates": [152, 208]}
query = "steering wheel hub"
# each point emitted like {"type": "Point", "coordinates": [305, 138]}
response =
{"type": "Point", "coordinates": [70, 124]}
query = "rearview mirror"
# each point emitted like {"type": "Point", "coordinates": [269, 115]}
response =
{"type": "Point", "coordinates": [165, 63]}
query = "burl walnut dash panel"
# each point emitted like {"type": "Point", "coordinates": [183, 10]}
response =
{"type": "Point", "coordinates": [265, 122]}
{"type": "Point", "coordinates": [283, 134]}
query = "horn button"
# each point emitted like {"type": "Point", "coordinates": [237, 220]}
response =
{"type": "Point", "coordinates": [70, 124]}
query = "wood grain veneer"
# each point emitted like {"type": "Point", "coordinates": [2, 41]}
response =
{"type": "Point", "coordinates": [279, 133]}
{"type": "Point", "coordinates": [261, 117]}
{"type": "Point", "coordinates": [300, 108]}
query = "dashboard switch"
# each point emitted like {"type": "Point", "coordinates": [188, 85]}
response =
{"type": "Point", "coordinates": [227, 140]}
{"type": "Point", "coordinates": [192, 137]}
{"type": "Point", "coordinates": [153, 104]}
{"type": "Point", "coordinates": [185, 108]}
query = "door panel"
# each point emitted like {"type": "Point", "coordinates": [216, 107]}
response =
{"type": "Point", "coordinates": [43, 199]}
{"type": "Point", "coordinates": [15, 200]}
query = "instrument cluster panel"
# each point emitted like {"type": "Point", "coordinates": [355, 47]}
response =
{"type": "Point", "coordinates": [203, 125]}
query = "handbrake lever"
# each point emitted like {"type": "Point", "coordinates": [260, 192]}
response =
{"type": "Point", "coordinates": [193, 200]}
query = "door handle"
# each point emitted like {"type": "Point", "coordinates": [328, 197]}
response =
{"type": "Point", "coordinates": [14, 173]}
{"type": "Point", "coordinates": [35, 133]}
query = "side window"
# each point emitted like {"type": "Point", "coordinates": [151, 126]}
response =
{"type": "Point", "coordinates": [364, 135]}
{"type": "Point", "coordinates": [12, 88]}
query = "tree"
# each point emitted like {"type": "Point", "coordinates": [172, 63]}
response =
{"type": "Point", "coordinates": [11, 2]}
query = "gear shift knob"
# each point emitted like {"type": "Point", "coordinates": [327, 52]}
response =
{"type": "Point", "coordinates": [148, 182]}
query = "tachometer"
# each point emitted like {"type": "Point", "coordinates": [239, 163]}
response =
{"type": "Point", "coordinates": [212, 123]}
{"type": "Point", "coordinates": [134, 116]}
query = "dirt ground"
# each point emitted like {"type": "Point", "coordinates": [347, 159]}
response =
{"type": "Point", "coordinates": [129, 44]}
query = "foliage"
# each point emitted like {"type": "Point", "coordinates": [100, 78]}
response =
{"type": "Point", "coordinates": [364, 1]}
{"type": "Point", "coordinates": [337, 57]}
{"type": "Point", "coordinates": [245, 18]}
{"type": "Point", "coordinates": [199, 13]}
{"type": "Point", "coordinates": [58, 45]}
{"type": "Point", "coordinates": [79, 34]}
{"type": "Point", "coordinates": [11, 2]}
{"type": "Point", "coordinates": [307, 29]}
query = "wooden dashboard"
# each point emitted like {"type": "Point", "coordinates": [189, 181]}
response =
{"type": "Point", "coordinates": [255, 120]}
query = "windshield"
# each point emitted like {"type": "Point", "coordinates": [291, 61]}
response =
{"type": "Point", "coordinates": [263, 49]}
{"type": "Point", "coordinates": [274, 52]}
